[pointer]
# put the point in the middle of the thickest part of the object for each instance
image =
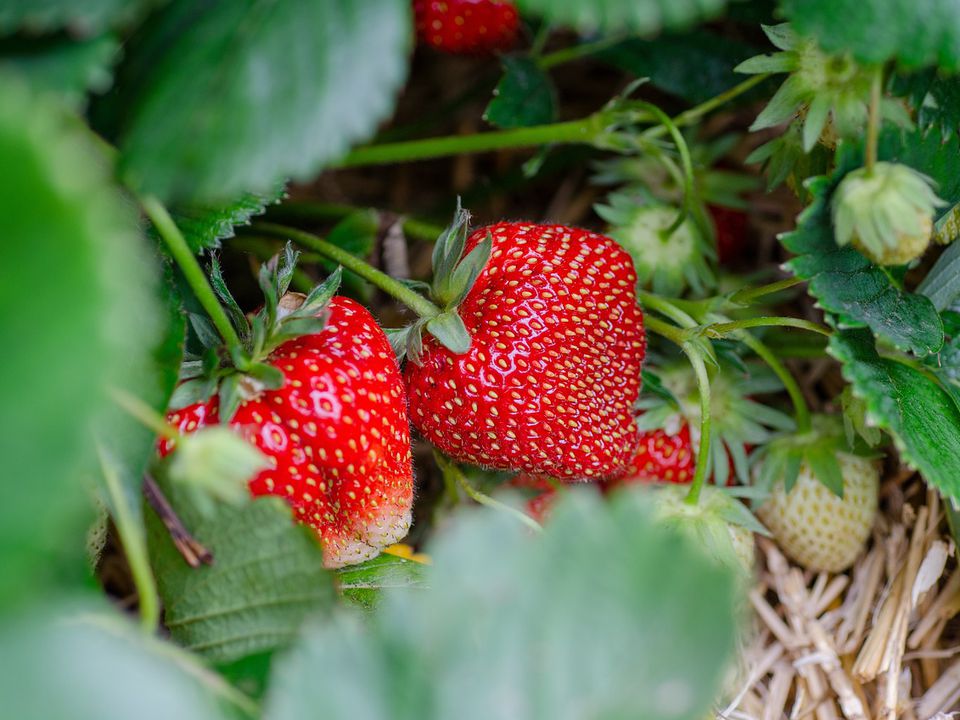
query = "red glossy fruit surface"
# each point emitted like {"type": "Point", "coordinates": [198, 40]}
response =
{"type": "Point", "coordinates": [467, 26]}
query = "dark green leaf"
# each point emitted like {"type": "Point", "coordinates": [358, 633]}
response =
{"type": "Point", "coordinates": [205, 226]}
{"type": "Point", "coordinates": [605, 615]}
{"type": "Point", "coordinates": [935, 98]}
{"type": "Point", "coordinates": [266, 578]}
{"type": "Point", "coordinates": [63, 662]}
{"type": "Point", "coordinates": [78, 312]}
{"type": "Point", "coordinates": [524, 96]}
{"type": "Point", "coordinates": [916, 33]}
{"type": "Point", "coordinates": [908, 403]}
{"type": "Point", "coordinates": [263, 90]}
{"type": "Point", "coordinates": [646, 17]}
{"type": "Point", "coordinates": [694, 66]}
{"type": "Point", "coordinates": [364, 585]}
{"type": "Point", "coordinates": [942, 283]}
{"type": "Point", "coordinates": [69, 69]}
{"type": "Point", "coordinates": [80, 17]}
{"type": "Point", "coordinates": [930, 153]}
{"type": "Point", "coordinates": [850, 288]}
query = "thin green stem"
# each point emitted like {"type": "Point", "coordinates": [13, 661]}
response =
{"type": "Point", "coordinates": [308, 211]}
{"type": "Point", "coordinates": [540, 40]}
{"type": "Point", "coordinates": [584, 131]}
{"type": "Point", "coordinates": [800, 409]}
{"type": "Point", "coordinates": [451, 468]}
{"type": "Point", "coordinates": [747, 296]}
{"type": "Point", "coordinates": [134, 546]}
{"type": "Point", "coordinates": [416, 302]}
{"type": "Point", "coordinates": [688, 117]}
{"type": "Point", "coordinates": [719, 330]}
{"type": "Point", "coordinates": [192, 271]}
{"type": "Point", "coordinates": [663, 329]}
{"type": "Point", "coordinates": [703, 452]}
{"type": "Point", "coordinates": [666, 308]}
{"type": "Point", "coordinates": [575, 52]}
{"type": "Point", "coordinates": [143, 413]}
{"type": "Point", "coordinates": [873, 119]}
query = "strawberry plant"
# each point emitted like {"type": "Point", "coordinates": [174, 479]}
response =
{"type": "Point", "coordinates": [282, 441]}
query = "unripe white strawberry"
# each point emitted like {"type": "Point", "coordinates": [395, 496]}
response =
{"type": "Point", "coordinates": [818, 529]}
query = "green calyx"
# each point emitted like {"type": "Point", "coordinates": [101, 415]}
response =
{"type": "Point", "coordinates": [886, 212]}
{"type": "Point", "coordinates": [244, 372]}
{"type": "Point", "coordinates": [827, 95]}
{"type": "Point", "coordinates": [454, 273]}
{"type": "Point", "coordinates": [781, 459]}
{"type": "Point", "coordinates": [737, 422]}
{"type": "Point", "coordinates": [666, 261]}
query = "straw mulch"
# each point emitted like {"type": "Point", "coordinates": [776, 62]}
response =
{"type": "Point", "coordinates": [877, 642]}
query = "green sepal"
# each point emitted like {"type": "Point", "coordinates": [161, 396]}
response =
{"type": "Point", "coordinates": [231, 395]}
{"type": "Point", "coordinates": [269, 376]}
{"type": "Point", "coordinates": [204, 330]}
{"type": "Point", "coordinates": [192, 391]}
{"type": "Point", "coordinates": [190, 369]}
{"type": "Point", "coordinates": [449, 330]}
{"type": "Point", "coordinates": [237, 317]}
{"type": "Point", "coordinates": [449, 292]}
{"type": "Point", "coordinates": [320, 296]}
{"type": "Point", "coordinates": [450, 245]}
{"type": "Point", "coordinates": [407, 342]}
{"type": "Point", "coordinates": [653, 385]}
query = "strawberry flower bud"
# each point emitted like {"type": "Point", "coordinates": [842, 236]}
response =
{"type": "Point", "coordinates": [886, 213]}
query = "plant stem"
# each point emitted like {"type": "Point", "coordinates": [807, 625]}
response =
{"type": "Point", "coordinates": [719, 330]}
{"type": "Point", "coordinates": [134, 545]}
{"type": "Point", "coordinates": [192, 271]}
{"type": "Point", "coordinates": [416, 302]}
{"type": "Point", "coordinates": [451, 468]}
{"type": "Point", "coordinates": [746, 296]}
{"type": "Point", "coordinates": [873, 119]}
{"type": "Point", "coordinates": [690, 116]}
{"type": "Point", "coordinates": [575, 52]}
{"type": "Point", "coordinates": [585, 131]}
{"type": "Point", "coordinates": [142, 412]}
{"type": "Point", "coordinates": [703, 452]}
{"type": "Point", "coordinates": [658, 326]}
{"type": "Point", "coordinates": [685, 162]}
{"type": "Point", "coordinates": [665, 308]}
{"type": "Point", "coordinates": [800, 409]}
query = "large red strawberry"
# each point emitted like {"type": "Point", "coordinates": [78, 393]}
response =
{"type": "Point", "coordinates": [548, 382]}
{"type": "Point", "coordinates": [334, 430]}
{"type": "Point", "coordinates": [467, 26]}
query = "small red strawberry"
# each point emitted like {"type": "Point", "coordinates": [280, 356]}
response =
{"type": "Point", "coordinates": [548, 382]}
{"type": "Point", "coordinates": [541, 494]}
{"type": "Point", "coordinates": [334, 428]}
{"type": "Point", "coordinates": [730, 226]}
{"type": "Point", "coordinates": [467, 26]}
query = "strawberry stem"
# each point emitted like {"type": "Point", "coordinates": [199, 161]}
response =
{"type": "Point", "coordinates": [663, 329]}
{"type": "Point", "coordinates": [747, 295]}
{"type": "Point", "coordinates": [413, 300]}
{"type": "Point", "coordinates": [575, 52]}
{"type": "Point", "coordinates": [800, 409]}
{"type": "Point", "coordinates": [192, 271]}
{"type": "Point", "coordinates": [703, 452]}
{"type": "Point", "coordinates": [719, 330]}
{"type": "Point", "coordinates": [134, 544]}
{"type": "Point", "coordinates": [873, 119]}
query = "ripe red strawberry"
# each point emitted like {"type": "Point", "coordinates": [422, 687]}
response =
{"type": "Point", "coordinates": [552, 373]}
{"type": "Point", "coordinates": [467, 26]}
{"type": "Point", "coordinates": [663, 457]}
{"type": "Point", "coordinates": [335, 433]}
{"type": "Point", "coordinates": [731, 230]}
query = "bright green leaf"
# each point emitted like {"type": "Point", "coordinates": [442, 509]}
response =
{"type": "Point", "coordinates": [232, 97]}
{"type": "Point", "coordinates": [77, 311]}
{"type": "Point", "coordinates": [266, 578]}
{"type": "Point", "coordinates": [524, 96]}
{"type": "Point", "coordinates": [914, 32]}
{"type": "Point", "coordinates": [646, 17]}
{"type": "Point", "coordinates": [907, 402]}
{"type": "Point", "coordinates": [605, 615]}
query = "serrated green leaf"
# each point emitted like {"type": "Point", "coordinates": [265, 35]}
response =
{"type": "Point", "coordinates": [62, 661]}
{"type": "Point", "coordinates": [204, 226]}
{"type": "Point", "coordinates": [266, 579]}
{"type": "Point", "coordinates": [849, 287]}
{"type": "Point", "coordinates": [695, 66]}
{"type": "Point", "coordinates": [524, 96]}
{"type": "Point", "coordinates": [501, 632]}
{"type": "Point", "coordinates": [67, 68]}
{"type": "Point", "coordinates": [644, 17]}
{"type": "Point", "coordinates": [84, 17]}
{"type": "Point", "coordinates": [78, 312]}
{"type": "Point", "coordinates": [263, 90]}
{"type": "Point", "coordinates": [909, 404]}
{"type": "Point", "coordinates": [365, 585]}
{"type": "Point", "coordinates": [916, 33]}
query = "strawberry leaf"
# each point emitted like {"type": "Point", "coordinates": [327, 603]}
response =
{"type": "Point", "coordinates": [501, 630]}
{"type": "Point", "coordinates": [267, 577]}
{"type": "Point", "coordinates": [79, 17]}
{"type": "Point", "coordinates": [916, 33]}
{"type": "Point", "coordinates": [204, 226]}
{"type": "Point", "coordinates": [263, 90]}
{"type": "Point", "coordinates": [909, 403]}
{"type": "Point", "coordinates": [853, 291]}
{"type": "Point", "coordinates": [645, 17]}
{"type": "Point", "coordinates": [365, 585]}
{"type": "Point", "coordinates": [524, 96]}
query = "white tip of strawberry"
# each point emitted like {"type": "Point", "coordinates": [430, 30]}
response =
{"type": "Point", "coordinates": [359, 544]}
{"type": "Point", "coordinates": [818, 529]}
